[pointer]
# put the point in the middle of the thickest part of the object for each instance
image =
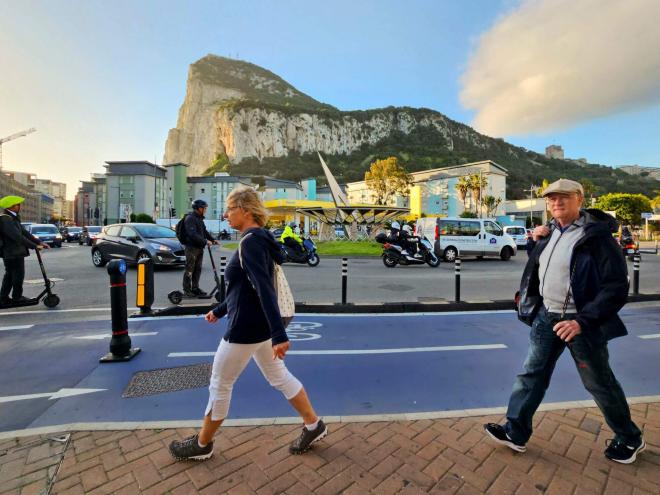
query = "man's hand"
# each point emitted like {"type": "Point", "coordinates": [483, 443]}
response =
{"type": "Point", "coordinates": [45, 246]}
{"type": "Point", "coordinates": [216, 242]}
{"type": "Point", "coordinates": [279, 350]}
{"type": "Point", "coordinates": [540, 232]}
{"type": "Point", "coordinates": [209, 243]}
{"type": "Point", "coordinates": [210, 317]}
{"type": "Point", "coordinates": [566, 330]}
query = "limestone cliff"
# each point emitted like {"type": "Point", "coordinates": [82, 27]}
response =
{"type": "Point", "coordinates": [245, 119]}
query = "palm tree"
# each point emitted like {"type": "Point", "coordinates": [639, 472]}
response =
{"type": "Point", "coordinates": [462, 188]}
{"type": "Point", "coordinates": [478, 185]}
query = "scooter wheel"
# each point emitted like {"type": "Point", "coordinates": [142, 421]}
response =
{"type": "Point", "coordinates": [313, 260]}
{"type": "Point", "coordinates": [175, 297]}
{"type": "Point", "coordinates": [389, 262]}
{"type": "Point", "coordinates": [51, 301]}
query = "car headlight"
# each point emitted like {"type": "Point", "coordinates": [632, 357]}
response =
{"type": "Point", "coordinates": [58, 236]}
{"type": "Point", "coordinates": [160, 247]}
{"type": "Point", "coordinates": [36, 236]}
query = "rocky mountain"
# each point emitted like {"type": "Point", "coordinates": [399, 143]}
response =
{"type": "Point", "coordinates": [244, 119]}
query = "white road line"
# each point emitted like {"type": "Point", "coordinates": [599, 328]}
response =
{"type": "Point", "coordinates": [363, 351]}
{"type": "Point", "coordinates": [107, 335]}
{"type": "Point", "coordinates": [60, 394]}
{"type": "Point", "coordinates": [650, 336]}
{"type": "Point", "coordinates": [16, 327]}
{"type": "Point", "coordinates": [196, 423]}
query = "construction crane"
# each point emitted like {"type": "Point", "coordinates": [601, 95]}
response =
{"type": "Point", "coordinates": [10, 138]}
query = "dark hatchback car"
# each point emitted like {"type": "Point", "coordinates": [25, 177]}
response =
{"type": "Point", "coordinates": [88, 234]}
{"type": "Point", "coordinates": [47, 233]}
{"type": "Point", "coordinates": [71, 234]}
{"type": "Point", "coordinates": [135, 241]}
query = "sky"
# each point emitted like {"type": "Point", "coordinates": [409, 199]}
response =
{"type": "Point", "coordinates": [104, 81]}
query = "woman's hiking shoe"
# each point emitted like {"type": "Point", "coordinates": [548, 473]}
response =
{"type": "Point", "coordinates": [618, 451]}
{"type": "Point", "coordinates": [303, 443]}
{"type": "Point", "coordinates": [498, 433]}
{"type": "Point", "coordinates": [189, 449]}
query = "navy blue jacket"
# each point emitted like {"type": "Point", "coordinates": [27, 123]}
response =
{"type": "Point", "coordinates": [600, 280]}
{"type": "Point", "coordinates": [196, 234]}
{"type": "Point", "coordinates": [251, 303]}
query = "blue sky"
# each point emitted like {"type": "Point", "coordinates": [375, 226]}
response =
{"type": "Point", "coordinates": [105, 80]}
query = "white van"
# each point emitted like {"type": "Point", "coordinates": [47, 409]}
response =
{"type": "Point", "coordinates": [466, 237]}
{"type": "Point", "coordinates": [518, 234]}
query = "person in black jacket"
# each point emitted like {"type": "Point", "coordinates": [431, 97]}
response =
{"type": "Point", "coordinates": [255, 330]}
{"type": "Point", "coordinates": [576, 280]}
{"type": "Point", "coordinates": [195, 239]}
{"type": "Point", "coordinates": [15, 243]}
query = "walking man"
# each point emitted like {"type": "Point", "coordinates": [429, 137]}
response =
{"type": "Point", "coordinates": [14, 244]}
{"type": "Point", "coordinates": [194, 236]}
{"type": "Point", "coordinates": [578, 276]}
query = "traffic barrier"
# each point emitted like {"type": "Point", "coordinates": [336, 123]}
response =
{"type": "Point", "coordinates": [223, 266]}
{"type": "Point", "coordinates": [120, 343]}
{"type": "Point", "coordinates": [636, 260]}
{"type": "Point", "coordinates": [344, 279]}
{"type": "Point", "coordinates": [457, 277]}
{"type": "Point", "coordinates": [144, 295]}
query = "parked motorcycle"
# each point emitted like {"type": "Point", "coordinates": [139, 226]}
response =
{"type": "Point", "coordinates": [393, 253]}
{"type": "Point", "coordinates": [309, 255]}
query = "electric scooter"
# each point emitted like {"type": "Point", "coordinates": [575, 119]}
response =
{"type": "Point", "coordinates": [176, 296]}
{"type": "Point", "coordinates": [50, 301]}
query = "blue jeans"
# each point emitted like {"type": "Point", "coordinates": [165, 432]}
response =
{"type": "Point", "coordinates": [593, 365]}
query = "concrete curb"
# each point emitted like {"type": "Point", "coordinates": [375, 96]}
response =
{"type": "Point", "coordinates": [398, 307]}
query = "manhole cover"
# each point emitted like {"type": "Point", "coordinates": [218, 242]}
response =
{"type": "Point", "coordinates": [165, 380]}
{"type": "Point", "coordinates": [396, 287]}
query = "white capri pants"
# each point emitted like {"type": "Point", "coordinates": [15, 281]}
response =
{"type": "Point", "coordinates": [229, 362]}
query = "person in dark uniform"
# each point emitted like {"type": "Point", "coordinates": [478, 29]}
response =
{"type": "Point", "coordinates": [196, 238]}
{"type": "Point", "coordinates": [15, 243]}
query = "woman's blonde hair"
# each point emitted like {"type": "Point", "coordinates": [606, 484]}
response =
{"type": "Point", "coordinates": [248, 200]}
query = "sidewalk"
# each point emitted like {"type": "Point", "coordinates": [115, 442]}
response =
{"type": "Point", "coordinates": [564, 456]}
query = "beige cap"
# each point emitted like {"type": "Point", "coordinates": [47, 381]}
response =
{"type": "Point", "coordinates": [563, 186]}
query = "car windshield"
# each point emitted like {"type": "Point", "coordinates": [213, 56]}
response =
{"type": "Point", "coordinates": [44, 230]}
{"type": "Point", "coordinates": [155, 232]}
{"type": "Point", "coordinates": [73, 229]}
{"type": "Point", "coordinates": [94, 230]}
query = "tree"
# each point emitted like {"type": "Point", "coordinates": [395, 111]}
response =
{"type": "Point", "coordinates": [462, 188]}
{"type": "Point", "coordinates": [387, 178]}
{"type": "Point", "coordinates": [590, 189]}
{"type": "Point", "coordinates": [490, 203]}
{"type": "Point", "coordinates": [478, 184]}
{"type": "Point", "coordinates": [539, 190]}
{"type": "Point", "coordinates": [655, 203]}
{"type": "Point", "coordinates": [141, 218]}
{"type": "Point", "coordinates": [468, 214]}
{"type": "Point", "coordinates": [628, 207]}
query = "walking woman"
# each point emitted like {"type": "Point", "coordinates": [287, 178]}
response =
{"type": "Point", "coordinates": [254, 330]}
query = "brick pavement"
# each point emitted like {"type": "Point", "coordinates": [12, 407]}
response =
{"type": "Point", "coordinates": [565, 456]}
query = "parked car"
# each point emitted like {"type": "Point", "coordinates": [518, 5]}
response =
{"type": "Point", "coordinates": [88, 234]}
{"type": "Point", "coordinates": [135, 241]}
{"type": "Point", "coordinates": [72, 233]}
{"type": "Point", "coordinates": [518, 234]}
{"type": "Point", "coordinates": [453, 237]}
{"type": "Point", "coordinates": [47, 233]}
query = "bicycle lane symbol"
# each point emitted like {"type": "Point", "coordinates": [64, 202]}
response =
{"type": "Point", "coordinates": [300, 330]}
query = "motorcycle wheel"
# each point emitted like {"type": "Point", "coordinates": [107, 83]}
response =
{"type": "Point", "coordinates": [389, 262]}
{"type": "Point", "coordinates": [432, 260]}
{"type": "Point", "coordinates": [313, 260]}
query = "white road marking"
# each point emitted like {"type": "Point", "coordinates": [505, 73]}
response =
{"type": "Point", "coordinates": [107, 335]}
{"type": "Point", "coordinates": [364, 351]}
{"type": "Point", "coordinates": [196, 423]}
{"type": "Point", "coordinates": [16, 327]}
{"type": "Point", "coordinates": [60, 394]}
{"type": "Point", "coordinates": [650, 336]}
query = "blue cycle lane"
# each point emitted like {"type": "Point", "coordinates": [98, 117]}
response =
{"type": "Point", "coordinates": [349, 364]}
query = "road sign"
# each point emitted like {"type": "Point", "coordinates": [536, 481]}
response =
{"type": "Point", "coordinates": [647, 215]}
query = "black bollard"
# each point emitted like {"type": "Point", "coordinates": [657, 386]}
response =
{"type": "Point", "coordinates": [457, 273]}
{"type": "Point", "coordinates": [223, 265]}
{"type": "Point", "coordinates": [344, 279]}
{"type": "Point", "coordinates": [144, 296]}
{"type": "Point", "coordinates": [636, 259]}
{"type": "Point", "coordinates": [120, 343]}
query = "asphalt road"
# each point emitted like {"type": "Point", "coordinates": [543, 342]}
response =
{"type": "Point", "coordinates": [81, 286]}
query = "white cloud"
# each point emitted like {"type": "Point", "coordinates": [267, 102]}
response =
{"type": "Point", "coordinates": [549, 64]}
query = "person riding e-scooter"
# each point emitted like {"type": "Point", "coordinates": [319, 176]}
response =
{"type": "Point", "coordinates": [15, 243]}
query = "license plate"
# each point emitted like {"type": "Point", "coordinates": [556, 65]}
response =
{"type": "Point", "coordinates": [631, 251]}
